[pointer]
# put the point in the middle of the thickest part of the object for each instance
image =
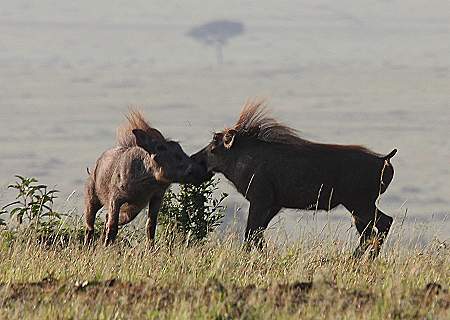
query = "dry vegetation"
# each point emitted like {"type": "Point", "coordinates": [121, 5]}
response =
{"type": "Point", "coordinates": [309, 279]}
{"type": "Point", "coordinates": [192, 273]}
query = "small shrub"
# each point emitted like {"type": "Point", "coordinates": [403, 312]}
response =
{"type": "Point", "coordinates": [33, 211]}
{"type": "Point", "coordinates": [34, 202]}
{"type": "Point", "coordinates": [194, 211]}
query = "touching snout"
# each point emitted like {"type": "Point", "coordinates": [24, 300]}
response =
{"type": "Point", "coordinates": [190, 171]}
{"type": "Point", "coordinates": [200, 159]}
{"type": "Point", "coordinates": [195, 174]}
{"type": "Point", "coordinates": [200, 168]}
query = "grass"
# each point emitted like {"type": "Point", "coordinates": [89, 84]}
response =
{"type": "Point", "coordinates": [308, 279]}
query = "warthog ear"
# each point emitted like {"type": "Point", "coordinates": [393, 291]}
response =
{"type": "Point", "coordinates": [144, 141]}
{"type": "Point", "coordinates": [228, 138]}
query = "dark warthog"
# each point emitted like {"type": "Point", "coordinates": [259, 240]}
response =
{"type": "Point", "coordinates": [274, 168]}
{"type": "Point", "coordinates": [135, 174]}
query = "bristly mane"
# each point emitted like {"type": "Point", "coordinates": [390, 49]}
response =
{"type": "Point", "coordinates": [255, 122]}
{"type": "Point", "coordinates": [135, 120]}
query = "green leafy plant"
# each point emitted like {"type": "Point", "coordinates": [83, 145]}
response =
{"type": "Point", "coordinates": [194, 211]}
{"type": "Point", "coordinates": [33, 209]}
{"type": "Point", "coordinates": [34, 202]}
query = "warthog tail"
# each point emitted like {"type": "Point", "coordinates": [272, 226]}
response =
{"type": "Point", "coordinates": [390, 155]}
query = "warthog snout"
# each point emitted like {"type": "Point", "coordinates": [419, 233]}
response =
{"type": "Point", "coordinates": [200, 160]}
{"type": "Point", "coordinates": [196, 174]}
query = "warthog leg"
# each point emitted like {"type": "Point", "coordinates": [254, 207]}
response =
{"type": "Point", "coordinates": [112, 225]}
{"type": "Point", "coordinates": [366, 232]}
{"type": "Point", "coordinates": [258, 220]}
{"type": "Point", "coordinates": [152, 218]}
{"type": "Point", "coordinates": [368, 236]}
{"type": "Point", "coordinates": [383, 223]}
{"type": "Point", "coordinates": [92, 205]}
{"type": "Point", "coordinates": [105, 227]}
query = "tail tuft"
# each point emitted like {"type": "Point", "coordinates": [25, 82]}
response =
{"type": "Point", "coordinates": [390, 155]}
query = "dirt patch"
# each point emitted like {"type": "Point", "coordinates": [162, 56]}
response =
{"type": "Point", "coordinates": [158, 297]}
{"type": "Point", "coordinates": [433, 293]}
{"type": "Point", "coordinates": [237, 299]}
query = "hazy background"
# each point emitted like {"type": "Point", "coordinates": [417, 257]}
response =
{"type": "Point", "coordinates": [375, 73]}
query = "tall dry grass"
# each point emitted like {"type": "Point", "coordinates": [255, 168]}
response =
{"type": "Point", "coordinates": [311, 278]}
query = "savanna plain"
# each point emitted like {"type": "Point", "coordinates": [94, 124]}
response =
{"type": "Point", "coordinates": [374, 73]}
{"type": "Point", "coordinates": [311, 278]}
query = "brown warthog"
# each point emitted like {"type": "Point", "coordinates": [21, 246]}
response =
{"type": "Point", "coordinates": [274, 168]}
{"type": "Point", "coordinates": [135, 174]}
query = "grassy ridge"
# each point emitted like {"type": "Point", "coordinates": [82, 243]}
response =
{"type": "Point", "coordinates": [308, 279]}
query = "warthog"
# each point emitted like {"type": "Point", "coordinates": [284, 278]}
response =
{"type": "Point", "coordinates": [135, 174]}
{"type": "Point", "coordinates": [274, 168]}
